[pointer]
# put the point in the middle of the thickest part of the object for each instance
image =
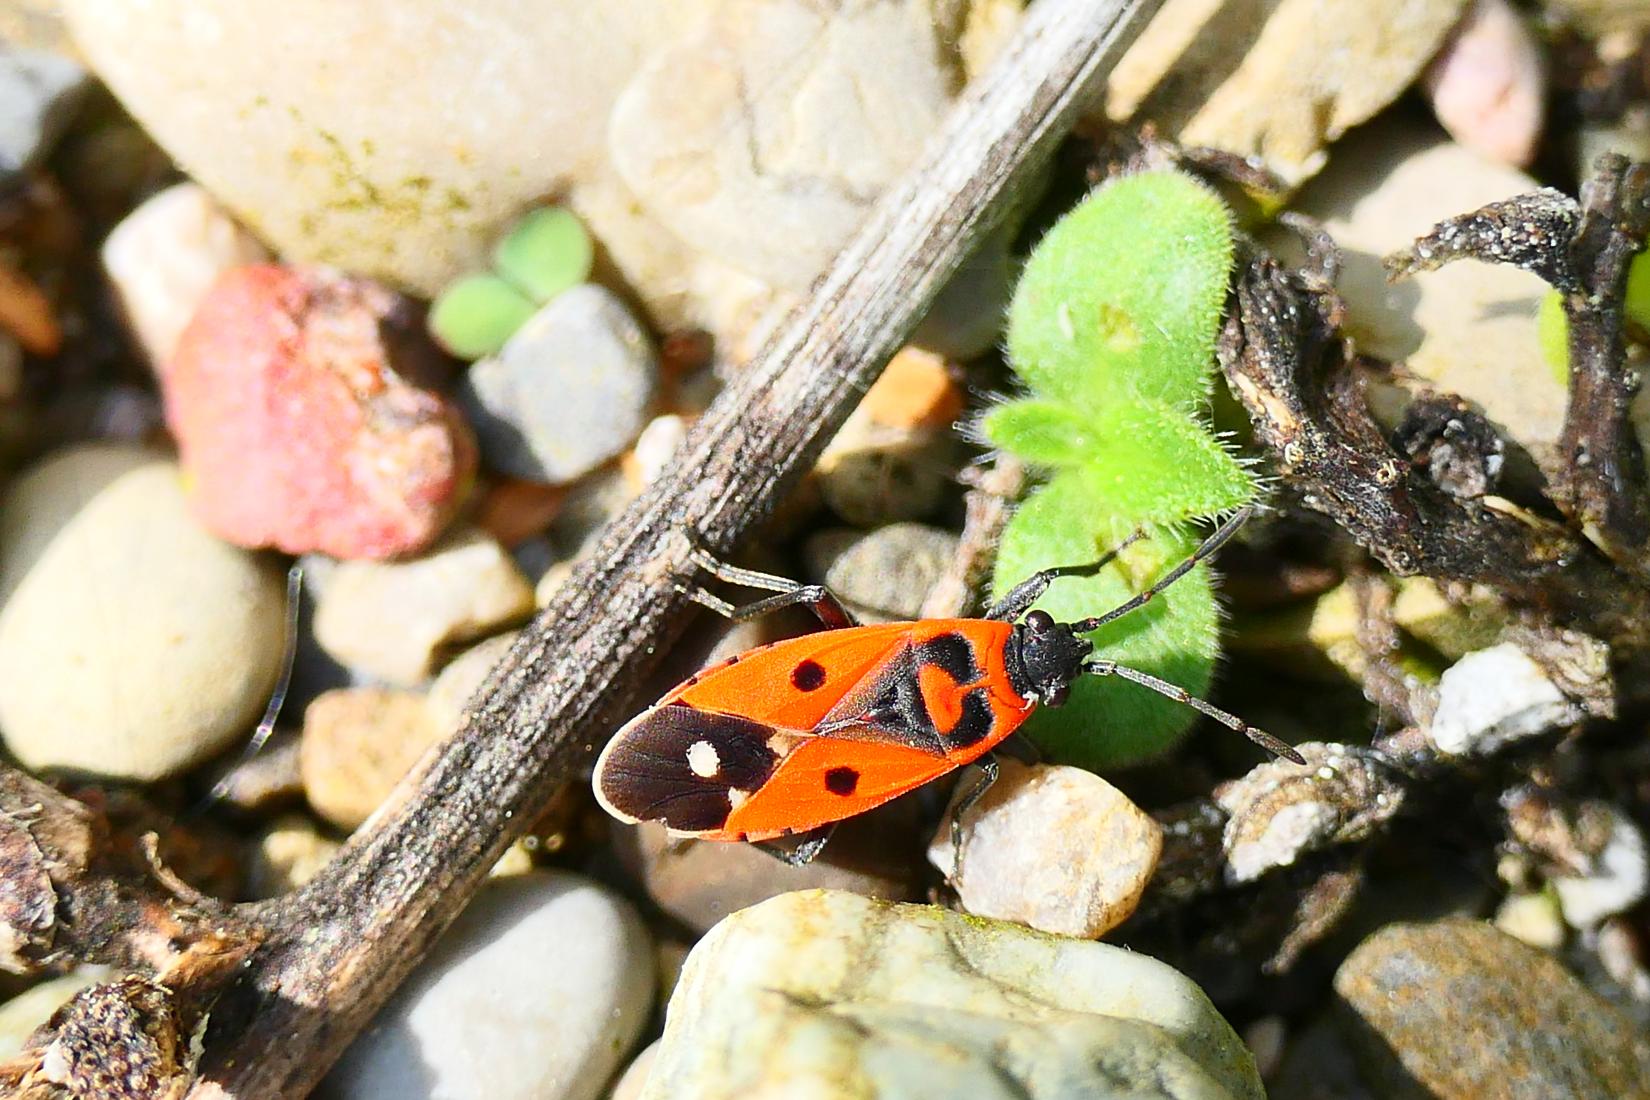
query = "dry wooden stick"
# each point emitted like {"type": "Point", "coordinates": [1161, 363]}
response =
{"type": "Point", "coordinates": [335, 951]}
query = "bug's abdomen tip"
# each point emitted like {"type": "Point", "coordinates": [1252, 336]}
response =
{"type": "Point", "coordinates": [684, 767]}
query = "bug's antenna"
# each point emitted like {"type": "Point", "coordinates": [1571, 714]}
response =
{"type": "Point", "coordinates": [1207, 547]}
{"type": "Point", "coordinates": [272, 710]}
{"type": "Point", "coordinates": [1181, 695]}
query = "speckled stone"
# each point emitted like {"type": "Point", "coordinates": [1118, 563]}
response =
{"type": "Point", "coordinates": [1461, 1011]}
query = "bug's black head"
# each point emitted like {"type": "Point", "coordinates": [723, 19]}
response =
{"type": "Point", "coordinates": [1050, 657]}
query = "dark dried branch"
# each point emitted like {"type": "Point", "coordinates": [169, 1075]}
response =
{"type": "Point", "coordinates": [1583, 250]}
{"type": "Point", "coordinates": [74, 887]}
{"type": "Point", "coordinates": [1283, 359]}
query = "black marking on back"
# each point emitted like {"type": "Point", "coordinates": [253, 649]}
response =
{"type": "Point", "coordinates": [648, 777]}
{"type": "Point", "coordinates": [952, 653]}
{"type": "Point", "coordinates": [808, 675]}
{"type": "Point", "coordinates": [842, 780]}
{"type": "Point", "coordinates": [976, 722]}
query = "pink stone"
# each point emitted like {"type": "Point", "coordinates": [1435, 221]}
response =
{"type": "Point", "coordinates": [298, 424]}
{"type": "Point", "coordinates": [1488, 85]}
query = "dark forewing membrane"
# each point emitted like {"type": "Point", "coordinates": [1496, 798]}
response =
{"type": "Point", "coordinates": [677, 764]}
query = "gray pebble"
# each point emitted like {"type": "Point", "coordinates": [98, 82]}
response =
{"type": "Point", "coordinates": [38, 94]}
{"type": "Point", "coordinates": [570, 390]}
{"type": "Point", "coordinates": [536, 993]}
{"type": "Point", "coordinates": [1457, 1008]}
{"type": "Point", "coordinates": [885, 575]}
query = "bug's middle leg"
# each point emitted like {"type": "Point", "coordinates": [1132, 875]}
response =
{"type": "Point", "coordinates": [816, 597]}
{"type": "Point", "coordinates": [801, 855]}
{"type": "Point", "coordinates": [988, 776]}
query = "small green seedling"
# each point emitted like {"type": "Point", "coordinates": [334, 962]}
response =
{"type": "Point", "coordinates": [1112, 328]}
{"type": "Point", "coordinates": [476, 314]}
{"type": "Point", "coordinates": [546, 253]}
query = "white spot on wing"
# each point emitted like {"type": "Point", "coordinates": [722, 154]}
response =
{"type": "Point", "coordinates": [737, 797]}
{"type": "Point", "coordinates": [702, 760]}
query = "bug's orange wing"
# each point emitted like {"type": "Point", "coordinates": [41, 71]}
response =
{"type": "Point", "coordinates": [812, 730]}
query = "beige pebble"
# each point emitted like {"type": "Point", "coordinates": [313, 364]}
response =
{"type": "Point", "coordinates": [458, 682]}
{"type": "Point", "coordinates": [1056, 848]}
{"type": "Point", "coordinates": [357, 744]}
{"type": "Point", "coordinates": [391, 619]}
{"type": "Point", "coordinates": [290, 852]}
{"type": "Point", "coordinates": [165, 255]}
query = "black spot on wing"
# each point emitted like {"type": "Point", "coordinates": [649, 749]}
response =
{"type": "Point", "coordinates": [976, 722]}
{"type": "Point", "coordinates": [809, 675]}
{"type": "Point", "coordinates": [954, 654]}
{"type": "Point", "coordinates": [647, 776]}
{"type": "Point", "coordinates": [842, 780]}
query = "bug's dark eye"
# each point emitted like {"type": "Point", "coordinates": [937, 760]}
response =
{"type": "Point", "coordinates": [1057, 697]}
{"type": "Point", "coordinates": [1039, 622]}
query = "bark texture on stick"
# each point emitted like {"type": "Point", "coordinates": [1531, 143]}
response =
{"type": "Point", "coordinates": [1583, 250]}
{"type": "Point", "coordinates": [336, 951]}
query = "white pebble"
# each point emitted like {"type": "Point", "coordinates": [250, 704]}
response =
{"type": "Point", "coordinates": [165, 255]}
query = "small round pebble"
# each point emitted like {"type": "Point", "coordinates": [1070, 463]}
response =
{"type": "Point", "coordinates": [390, 620]}
{"type": "Point", "coordinates": [165, 255]}
{"type": "Point", "coordinates": [1055, 848]}
{"type": "Point", "coordinates": [357, 744]}
{"type": "Point", "coordinates": [654, 449]}
{"type": "Point", "coordinates": [699, 882]}
{"type": "Point", "coordinates": [1488, 85]}
{"type": "Point", "coordinates": [133, 645]}
{"type": "Point", "coordinates": [570, 390]}
{"type": "Point", "coordinates": [287, 854]}
{"type": "Point", "coordinates": [1616, 879]}
{"type": "Point", "coordinates": [891, 460]}
{"type": "Point", "coordinates": [883, 575]}
{"type": "Point", "coordinates": [634, 1078]}
{"type": "Point", "coordinates": [459, 681]}
{"type": "Point", "coordinates": [293, 399]}
{"type": "Point", "coordinates": [537, 992]}
{"type": "Point", "coordinates": [1493, 697]}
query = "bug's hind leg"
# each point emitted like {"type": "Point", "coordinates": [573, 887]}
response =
{"type": "Point", "coordinates": [802, 854]}
{"type": "Point", "coordinates": [816, 597]}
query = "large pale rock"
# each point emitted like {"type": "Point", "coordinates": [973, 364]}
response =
{"type": "Point", "coordinates": [1275, 78]}
{"type": "Point", "coordinates": [132, 643]}
{"type": "Point", "coordinates": [536, 993]}
{"type": "Point", "coordinates": [739, 136]}
{"type": "Point", "coordinates": [1469, 328]}
{"type": "Point", "coordinates": [388, 137]}
{"type": "Point", "coordinates": [755, 132]}
{"type": "Point", "coordinates": [827, 995]}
